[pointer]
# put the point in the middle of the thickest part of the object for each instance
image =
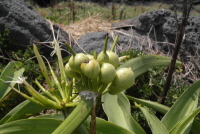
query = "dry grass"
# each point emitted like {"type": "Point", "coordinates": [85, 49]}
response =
{"type": "Point", "coordinates": [94, 23]}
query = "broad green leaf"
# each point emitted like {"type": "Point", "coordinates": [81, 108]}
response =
{"type": "Point", "coordinates": [155, 124]}
{"type": "Point", "coordinates": [106, 127]}
{"type": "Point", "coordinates": [30, 126]}
{"type": "Point", "coordinates": [10, 73]}
{"type": "Point", "coordinates": [76, 117]}
{"type": "Point", "coordinates": [185, 104]}
{"type": "Point", "coordinates": [155, 105]}
{"type": "Point", "coordinates": [58, 116]}
{"type": "Point", "coordinates": [21, 111]}
{"type": "Point", "coordinates": [142, 64]}
{"type": "Point", "coordinates": [103, 126]}
{"type": "Point", "coordinates": [117, 108]}
{"type": "Point", "coordinates": [163, 109]}
{"type": "Point", "coordinates": [181, 126]}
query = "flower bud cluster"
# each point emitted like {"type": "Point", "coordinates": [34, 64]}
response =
{"type": "Point", "coordinates": [99, 74]}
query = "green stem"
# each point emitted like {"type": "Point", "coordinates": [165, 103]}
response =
{"type": "Point", "coordinates": [57, 83]}
{"type": "Point", "coordinates": [46, 92]}
{"type": "Point", "coordinates": [42, 99]}
{"type": "Point", "coordinates": [61, 67]}
{"type": "Point", "coordinates": [28, 97]}
{"type": "Point", "coordinates": [78, 115]}
{"type": "Point", "coordinates": [114, 43]}
{"type": "Point", "coordinates": [105, 44]}
{"type": "Point", "coordinates": [94, 84]}
{"type": "Point", "coordinates": [70, 49]}
{"type": "Point", "coordinates": [72, 104]}
{"type": "Point", "coordinates": [95, 54]}
{"type": "Point", "coordinates": [104, 89]}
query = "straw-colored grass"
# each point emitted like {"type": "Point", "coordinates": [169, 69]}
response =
{"type": "Point", "coordinates": [94, 23]}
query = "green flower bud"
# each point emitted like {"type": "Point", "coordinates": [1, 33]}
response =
{"type": "Point", "coordinates": [113, 58]}
{"type": "Point", "coordinates": [75, 61]}
{"type": "Point", "coordinates": [70, 73]}
{"type": "Point", "coordinates": [90, 56]}
{"type": "Point", "coordinates": [124, 79]}
{"type": "Point", "coordinates": [102, 57]}
{"type": "Point", "coordinates": [107, 73]}
{"type": "Point", "coordinates": [91, 69]}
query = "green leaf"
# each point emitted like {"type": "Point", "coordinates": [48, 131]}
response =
{"type": "Point", "coordinates": [58, 116]}
{"type": "Point", "coordinates": [10, 73]}
{"type": "Point", "coordinates": [163, 109]}
{"type": "Point", "coordinates": [185, 104]}
{"type": "Point", "coordinates": [190, 94]}
{"type": "Point", "coordinates": [181, 127]}
{"type": "Point", "coordinates": [142, 64]}
{"type": "Point", "coordinates": [30, 126]}
{"type": "Point", "coordinates": [23, 110]}
{"type": "Point", "coordinates": [155, 105]}
{"type": "Point", "coordinates": [106, 127]}
{"type": "Point", "coordinates": [117, 108]}
{"type": "Point", "coordinates": [42, 65]}
{"type": "Point", "coordinates": [155, 124]}
{"type": "Point", "coordinates": [76, 117]}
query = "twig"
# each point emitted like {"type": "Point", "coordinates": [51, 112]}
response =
{"type": "Point", "coordinates": [178, 42]}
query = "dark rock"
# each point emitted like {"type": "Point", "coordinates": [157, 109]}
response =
{"type": "Point", "coordinates": [93, 41]}
{"type": "Point", "coordinates": [146, 23]}
{"type": "Point", "coordinates": [154, 30]}
{"type": "Point", "coordinates": [160, 27]}
{"type": "Point", "coordinates": [191, 42]}
{"type": "Point", "coordinates": [26, 25]}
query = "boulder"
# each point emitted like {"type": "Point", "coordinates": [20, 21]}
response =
{"type": "Point", "coordinates": [26, 26]}
{"type": "Point", "coordinates": [191, 43]}
{"type": "Point", "coordinates": [159, 27]}
{"type": "Point", "coordinates": [154, 30]}
{"type": "Point", "coordinates": [93, 41]}
{"type": "Point", "coordinates": [136, 33]}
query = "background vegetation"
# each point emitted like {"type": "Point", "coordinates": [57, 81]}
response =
{"type": "Point", "coordinates": [70, 12]}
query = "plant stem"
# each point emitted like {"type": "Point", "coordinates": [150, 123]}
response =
{"type": "Point", "coordinates": [93, 119]}
{"type": "Point", "coordinates": [105, 44]}
{"type": "Point", "coordinates": [179, 40]}
{"type": "Point", "coordinates": [114, 43]}
{"type": "Point", "coordinates": [70, 49]}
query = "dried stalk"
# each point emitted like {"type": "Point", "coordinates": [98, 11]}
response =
{"type": "Point", "coordinates": [178, 42]}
